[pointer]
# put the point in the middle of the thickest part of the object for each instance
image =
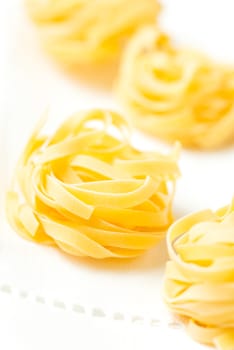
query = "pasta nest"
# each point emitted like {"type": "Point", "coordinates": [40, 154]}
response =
{"type": "Point", "coordinates": [176, 94]}
{"type": "Point", "coordinates": [86, 189]}
{"type": "Point", "coordinates": [199, 280]}
{"type": "Point", "coordinates": [89, 31]}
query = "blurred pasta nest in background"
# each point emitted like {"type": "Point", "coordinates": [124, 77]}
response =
{"type": "Point", "coordinates": [86, 189]}
{"type": "Point", "coordinates": [80, 32]}
{"type": "Point", "coordinates": [176, 94]}
{"type": "Point", "coordinates": [199, 279]}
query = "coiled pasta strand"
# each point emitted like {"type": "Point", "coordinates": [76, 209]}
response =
{"type": "Point", "coordinates": [176, 94]}
{"type": "Point", "coordinates": [87, 190]}
{"type": "Point", "coordinates": [89, 31]}
{"type": "Point", "coordinates": [199, 280]}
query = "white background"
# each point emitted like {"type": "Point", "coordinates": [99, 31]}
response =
{"type": "Point", "coordinates": [30, 83]}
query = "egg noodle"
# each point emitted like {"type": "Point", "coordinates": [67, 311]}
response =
{"type": "Point", "coordinates": [87, 190]}
{"type": "Point", "coordinates": [199, 281]}
{"type": "Point", "coordinates": [84, 31]}
{"type": "Point", "coordinates": [176, 94]}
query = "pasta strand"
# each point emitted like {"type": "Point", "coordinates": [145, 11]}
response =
{"type": "Point", "coordinates": [78, 32]}
{"type": "Point", "coordinates": [86, 189]}
{"type": "Point", "coordinates": [199, 280]}
{"type": "Point", "coordinates": [176, 94]}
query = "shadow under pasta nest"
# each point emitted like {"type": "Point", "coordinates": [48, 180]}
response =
{"type": "Point", "coordinates": [152, 259]}
{"type": "Point", "coordinates": [98, 76]}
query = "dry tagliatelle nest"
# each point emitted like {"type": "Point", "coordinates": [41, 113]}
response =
{"type": "Point", "coordinates": [176, 94]}
{"type": "Point", "coordinates": [199, 279]}
{"type": "Point", "coordinates": [79, 32]}
{"type": "Point", "coordinates": [86, 189]}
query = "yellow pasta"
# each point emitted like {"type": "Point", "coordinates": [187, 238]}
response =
{"type": "Point", "coordinates": [86, 189]}
{"type": "Point", "coordinates": [199, 281]}
{"type": "Point", "coordinates": [177, 94]}
{"type": "Point", "coordinates": [89, 31]}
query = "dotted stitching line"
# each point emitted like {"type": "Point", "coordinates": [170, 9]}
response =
{"type": "Point", "coordinates": [94, 312]}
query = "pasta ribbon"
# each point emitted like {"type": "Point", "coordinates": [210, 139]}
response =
{"type": "Point", "coordinates": [176, 94]}
{"type": "Point", "coordinates": [86, 189]}
{"type": "Point", "coordinates": [89, 31]}
{"type": "Point", "coordinates": [199, 280]}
